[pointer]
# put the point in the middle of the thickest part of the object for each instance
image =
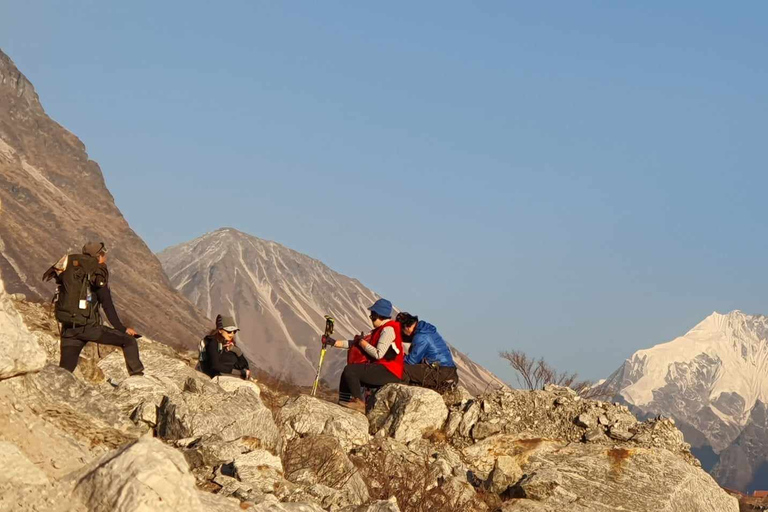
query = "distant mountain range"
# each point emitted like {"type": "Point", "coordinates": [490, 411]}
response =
{"type": "Point", "coordinates": [279, 298]}
{"type": "Point", "coordinates": [53, 198]}
{"type": "Point", "coordinates": [714, 382]}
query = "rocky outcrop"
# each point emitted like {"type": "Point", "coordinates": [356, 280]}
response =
{"type": "Point", "coordinates": [303, 415]}
{"type": "Point", "coordinates": [212, 411]}
{"type": "Point", "coordinates": [145, 475]}
{"type": "Point", "coordinates": [407, 413]}
{"type": "Point", "coordinates": [587, 478]}
{"type": "Point", "coordinates": [85, 442]}
{"type": "Point", "coordinates": [19, 351]}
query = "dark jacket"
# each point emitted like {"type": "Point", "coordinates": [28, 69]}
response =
{"type": "Point", "coordinates": [218, 361]}
{"type": "Point", "coordinates": [429, 347]}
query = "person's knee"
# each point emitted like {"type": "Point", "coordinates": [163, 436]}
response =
{"type": "Point", "coordinates": [128, 342]}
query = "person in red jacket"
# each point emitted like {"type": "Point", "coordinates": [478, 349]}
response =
{"type": "Point", "coordinates": [384, 348]}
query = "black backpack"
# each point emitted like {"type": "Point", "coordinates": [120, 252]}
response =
{"type": "Point", "coordinates": [75, 304]}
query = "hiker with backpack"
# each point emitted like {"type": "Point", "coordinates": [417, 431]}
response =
{"type": "Point", "coordinates": [429, 362]}
{"type": "Point", "coordinates": [373, 360]}
{"type": "Point", "coordinates": [83, 289]}
{"type": "Point", "coordinates": [219, 354]}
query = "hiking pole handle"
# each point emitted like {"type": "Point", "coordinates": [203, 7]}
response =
{"type": "Point", "coordinates": [328, 331]}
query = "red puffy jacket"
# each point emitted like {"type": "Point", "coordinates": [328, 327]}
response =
{"type": "Point", "coordinates": [356, 355]}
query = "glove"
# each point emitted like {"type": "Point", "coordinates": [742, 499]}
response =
{"type": "Point", "coordinates": [327, 340]}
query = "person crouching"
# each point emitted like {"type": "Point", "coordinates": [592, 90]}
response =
{"type": "Point", "coordinates": [385, 350]}
{"type": "Point", "coordinates": [219, 355]}
{"type": "Point", "coordinates": [429, 362]}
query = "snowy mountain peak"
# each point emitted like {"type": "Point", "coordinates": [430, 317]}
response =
{"type": "Point", "coordinates": [714, 379]}
{"type": "Point", "coordinates": [725, 353]}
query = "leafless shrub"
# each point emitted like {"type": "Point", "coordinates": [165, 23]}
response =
{"type": "Point", "coordinates": [415, 486]}
{"type": "Point", "coordinates": [536, 373]}
{"type": "Point", "coordinates": [323, 456]}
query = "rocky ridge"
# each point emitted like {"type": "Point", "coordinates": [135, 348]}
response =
{"type": "Point", "coordinates": [279, 298]}
{"type": "Point", "coordinates": [174, 439]}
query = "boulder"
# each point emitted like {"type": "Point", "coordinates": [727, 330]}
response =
{"type": "Point", "coordinates": [229, 416]}
{"type": "Point", "coordinates": [211, 451]}
{"type": "Point", "coordinates": [261, 470]}
{"type": "Point", "coordinates": [139, 397]}
{"type": "Point", "coordinates": [145, 475]}
{"type": "Point", "coordinates": [505, 473]}
{"type": "Point", "coordinates": [72, 406]}
{"type": "Point", "coordinates": [20, 352]}
{"type": "Point", "coordinates": [232, 384]}
{"type": "Point", "coordinates": [305, 415]}
{"type": "Point", "coordinates": [481, 457]}
{"type": "Point", "coordinates": [160, 362]}
{"type": "Point", "coordinates": [407, 413]}
{"type": "Point", "coordinates": [559, 413]}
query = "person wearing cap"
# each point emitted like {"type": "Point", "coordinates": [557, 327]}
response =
{"type": "Point", "coordinates": [75, 336]}
{"type": "Point", "coordinates": [384, 349]}
{"type": "Point", "coordinates": [429, 362]}
{"type": "Point", "coordinates": [220, 355]}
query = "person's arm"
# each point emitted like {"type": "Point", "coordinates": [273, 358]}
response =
{"type": "Point", "coordinates": [105, 299]}
{"type": "Point", "coordinates": [386, 340]}
{"type": "Point", "coordinates": [338, 343]}
{"type": "Point", "coordinates": [241, 366]}
{"type": "Point", "coordinates": [418, 351]}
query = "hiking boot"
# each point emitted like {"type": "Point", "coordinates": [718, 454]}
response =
{"type": "Point", "coordinates": [355, 404]}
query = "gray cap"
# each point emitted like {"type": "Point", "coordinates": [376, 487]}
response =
{"type": "Point", "coordinates": [227, 323]}
{"type": "Point", "coordinates": [94, 248]}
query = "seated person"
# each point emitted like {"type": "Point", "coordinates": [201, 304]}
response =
{"type": "Point", "coordinates": [379, 360]}
{"type": "Point", "coordinates": [429, 362]}
{"type": "Point", "coordinates": [218, 353]}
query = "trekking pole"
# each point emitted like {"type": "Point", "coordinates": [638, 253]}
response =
{"type": "Point", "coordinates": [328, 331]}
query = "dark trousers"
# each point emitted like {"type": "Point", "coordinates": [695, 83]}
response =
{"type": "Point", "coordinates": [74, 339]}
{"type": "Point", "coordinates": [432, 377]}
{"type": "Point", "coordinates": [355, 376]}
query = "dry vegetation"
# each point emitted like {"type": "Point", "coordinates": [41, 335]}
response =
{"type": "Point", "coordinates": [536, 373]}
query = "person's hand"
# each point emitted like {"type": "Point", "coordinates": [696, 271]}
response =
{"type": "Point", "coordinates": [359, 338]}
{"type": "Point", "coordinates": [327, 340]}
{"type": "Point", "coordinates": [130, 332]}
{"type": "Point", "coordinates": [247, 374]}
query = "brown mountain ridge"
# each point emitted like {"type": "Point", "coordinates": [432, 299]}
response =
{"type": "Point", "coordinates": [53, 198]}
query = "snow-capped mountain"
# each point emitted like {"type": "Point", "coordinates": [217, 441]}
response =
{"type": "Point", "coordinates": [279, 298]}
{"type": "Point", "coordinates": [714, 382]}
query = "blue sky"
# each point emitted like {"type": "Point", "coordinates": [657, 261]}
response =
{"type": "Point", "coordinates": [578, 180]}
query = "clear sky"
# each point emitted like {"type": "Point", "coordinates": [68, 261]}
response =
{"type": "Point", "coordinates": [578, 180]}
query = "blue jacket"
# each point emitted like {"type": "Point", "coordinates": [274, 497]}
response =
{"type": "Point", "coordinates": [429, 347]}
